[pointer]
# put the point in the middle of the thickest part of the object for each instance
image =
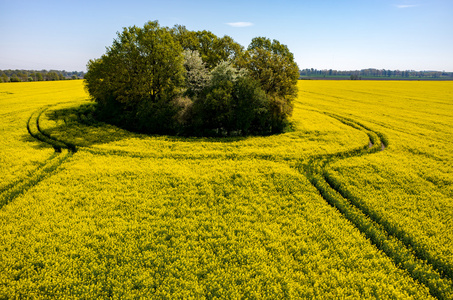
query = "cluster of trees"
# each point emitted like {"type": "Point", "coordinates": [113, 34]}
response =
{"type": "Point", "coordinates": [375, 74]}
{"type": "Point", "coordinates": [32, 75]}
{"type": "Point", "coordinates": [175, 81]}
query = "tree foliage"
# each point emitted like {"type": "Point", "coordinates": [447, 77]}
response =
{"type": "Point", "coordinates": [233, 102]}
{"type": "Point", "coordinates": [175, 81]}
{"type": "Point", "coordinates": [137, 77]}
{"type": "Point", "coordinates": [272, 64]}
{"type": "Point", "coordinates": [197, 75]}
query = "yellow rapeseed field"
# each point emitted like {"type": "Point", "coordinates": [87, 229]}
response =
{"type": "Point", "coordinates": [356, 202]}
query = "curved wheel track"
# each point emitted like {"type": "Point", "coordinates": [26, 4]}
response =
{"type": "Point", "coordinates": [45, 169]}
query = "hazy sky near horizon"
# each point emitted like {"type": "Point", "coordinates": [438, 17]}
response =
{"type": "Point", "coordinates": [322, 34]}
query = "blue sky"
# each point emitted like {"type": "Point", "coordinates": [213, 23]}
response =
{"type": "Point", "coordinates": [322, 34]}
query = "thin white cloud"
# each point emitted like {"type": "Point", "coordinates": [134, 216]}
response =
{"type": "Point", "coordinates": [407, 5]}
{"type": "Point", "coordinates": [240, 24]}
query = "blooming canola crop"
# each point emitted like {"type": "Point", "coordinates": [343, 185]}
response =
{"type": "Point", "coordinates": [128, 215]}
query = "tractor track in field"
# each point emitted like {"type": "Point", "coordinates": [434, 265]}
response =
{"type": "Point", "coordinates": [51, 140]}
{"type": "Point", "coordinates": [46, 168]}
{"type": "Point", "coordinates": [21, 186]}
{"type": "Point", "coordinates": [401, 248]}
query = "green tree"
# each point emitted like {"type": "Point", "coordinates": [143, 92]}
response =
{"type": "Point", "coordinates": [228, 49]}
{"type": "Point", "coordinates": [186, 38]}
{"type": "Point", "coordinates": [141, 73]}
{"type": "Point", "coordinates": [52, 76]}
{"type": "Point", "coordinates": [212, 49]}
{"type": "Point", "coordinates": [5, 77]}
{"type": "Point", "coordinates": [15, 78]}
{"type": "Point", "coordinates": [22, 76]}
{"type": "Point", "coordinates": [233, 103]}
{"type": "Point", "coordinates": [207, 42]}
{"type": "Point", "coordinates": [273, 66]}
{"type": "Point", "coordinates": [213, 110]}
{"type": "Point", "coordinates": [251, 115]}
{"type": "Point", "coordinates": [197, 76]}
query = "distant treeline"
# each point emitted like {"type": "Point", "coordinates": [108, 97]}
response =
{"type": "Point", "coordinates": [43, 75]}
{"type": "Point", "coordinates": [52, 75]}
{"type": "Point", "coordinates": [375, 74]}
